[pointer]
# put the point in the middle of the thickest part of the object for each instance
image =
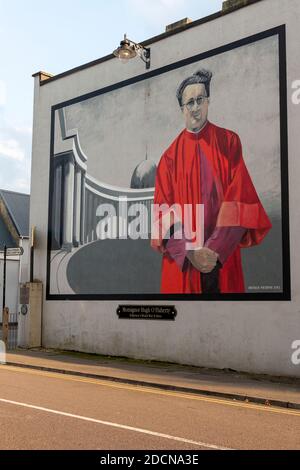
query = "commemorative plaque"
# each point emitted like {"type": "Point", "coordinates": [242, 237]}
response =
{"type": "Point", "coordinates": [147, 312]}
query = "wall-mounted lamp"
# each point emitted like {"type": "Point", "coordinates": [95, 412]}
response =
{"type": "Point", "coordinates": [129, 49]}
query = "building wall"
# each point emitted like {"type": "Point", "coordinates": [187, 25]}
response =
{"type": "Point", "coordinates": [12, 285]}
{"type": "Point", "coordinates": [17, 269]}
{"type": "Point", "coordinates": [24, 261]}
{"type": "Point", "coordinates": [252, 336]}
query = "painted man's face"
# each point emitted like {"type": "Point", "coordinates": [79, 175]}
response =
{"type": "Point", "coordinates": [195, 106]}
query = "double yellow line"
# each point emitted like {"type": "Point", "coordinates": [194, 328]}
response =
{"type": "Point", "coordinates": [154, 391]}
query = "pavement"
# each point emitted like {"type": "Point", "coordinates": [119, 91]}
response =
{"type": "Point", "coordinates": [274, 391]}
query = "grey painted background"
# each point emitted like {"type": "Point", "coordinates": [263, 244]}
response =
{"type": "Point", "coordinates": [120, 129]}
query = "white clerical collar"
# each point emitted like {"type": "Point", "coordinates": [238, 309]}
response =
{"type": "Point", "coordinates": [197, 132]}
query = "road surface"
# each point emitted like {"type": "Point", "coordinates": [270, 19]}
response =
{"type": "Point", "coordinates": [43, 410]}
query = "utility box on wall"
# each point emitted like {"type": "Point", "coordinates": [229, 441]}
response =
{"type": "Point", "coordinates": [30, 315]}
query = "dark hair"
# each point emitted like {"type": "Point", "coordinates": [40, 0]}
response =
{"type": "Point", "coordinates": [201, 76]}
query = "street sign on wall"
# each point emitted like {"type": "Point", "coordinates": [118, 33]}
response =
{"type": "Point", "coordinates": [19, 251]}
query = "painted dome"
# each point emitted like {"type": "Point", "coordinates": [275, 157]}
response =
{"type": "Point", "coordinates": [144, 175]}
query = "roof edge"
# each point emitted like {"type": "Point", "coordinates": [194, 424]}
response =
{"type": "Point", "coordinates": [14, 192]}
{"type": "Point", "coordinates": [43, 76]}
{"type": "Point", "coordinates": [226, 11]}
{"type": "Point", "coordinates": [10, 220]}
{"type": "Point", "coordinates": [10, 212]}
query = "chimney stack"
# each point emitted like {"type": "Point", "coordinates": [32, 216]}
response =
{"type": "Point", "coordinates": [178, 24]}
{"type": "Point", "coordinates": [234, 4]}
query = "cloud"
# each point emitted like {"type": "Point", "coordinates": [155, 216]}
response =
{"type": "Point", "coordinates": [22, 185]}
{"type": "Point", "coordinates": [11, 149]}
{"type": "Point", "coordinates": [15, 155]}
{"type": "Point", "coordinates": [23, 130]}
{"type": "Point", "coordinates": [3, 93]}
{"type": "Point", "coordinates": [15, 142]}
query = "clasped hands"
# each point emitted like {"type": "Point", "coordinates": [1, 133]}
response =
{"type": "Point", "coordinates": [204, 260]}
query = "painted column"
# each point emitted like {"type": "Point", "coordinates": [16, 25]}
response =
{"type": "Point", "coordinates": [90, 199]}
{"type": "Point", "coordinates": [56, 209]}
{"type": "Point", "coordinates": [82, 219]}
{"type": "Point", "coordinates": [68, 206]}
{"type": "Point", "coordinates": [77, 206]}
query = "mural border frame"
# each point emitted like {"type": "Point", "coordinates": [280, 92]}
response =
{"type": "Point", "coordinates": [285, 295]}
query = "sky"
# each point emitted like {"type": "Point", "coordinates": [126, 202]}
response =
{"type": "Point", "coordinates": [57, 36]}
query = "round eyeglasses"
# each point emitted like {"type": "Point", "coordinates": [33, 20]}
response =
{"type": "Point", "coordinates": [191, 103]}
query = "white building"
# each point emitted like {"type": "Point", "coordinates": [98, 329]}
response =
{"type": "Point", "coordinates": [106, 120]}
{"type": "Point", "coordinates": [14, 232]}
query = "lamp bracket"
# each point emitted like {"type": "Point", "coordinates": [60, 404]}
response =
{"type": "Point", "coordinates": [143, 52]}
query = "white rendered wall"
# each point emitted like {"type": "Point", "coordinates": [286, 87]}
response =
{"type": "Point", "coordinates": [12, 284]}
{"type": "Point", "coordinates": [24, 261]}
{"type": "Point", "coordinates": [248, 336]}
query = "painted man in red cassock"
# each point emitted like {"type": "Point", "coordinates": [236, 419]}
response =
{"type": "Point", "coordinates": [205, 165]}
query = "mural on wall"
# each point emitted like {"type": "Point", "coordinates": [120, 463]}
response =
{"type": "Point", "coordinates": [204, 166]}
{"type": "Point", "coordinates": [171, 185]}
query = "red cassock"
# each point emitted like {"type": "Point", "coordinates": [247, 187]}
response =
{"type": "Point", "coordinates": [178, 181]}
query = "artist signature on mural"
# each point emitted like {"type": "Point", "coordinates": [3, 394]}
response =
{"type": "Point", "coordinates": [265, 288]}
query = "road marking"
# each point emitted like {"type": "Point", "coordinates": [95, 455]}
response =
{"type": "Point", "coordinates": [154, 391]}
{"type": "Point", "coordinates": [115, 425]}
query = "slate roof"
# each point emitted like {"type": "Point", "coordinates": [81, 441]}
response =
{"type": "Point", "coordinates": [5, 236]}
{"type": "Point", "coordinates": [17, 204]}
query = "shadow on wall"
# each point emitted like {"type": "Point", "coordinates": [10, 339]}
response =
{"type": "Point", "coordinates": [132, 267]}
{"type": "Point", "coordinates": [115, 267]}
